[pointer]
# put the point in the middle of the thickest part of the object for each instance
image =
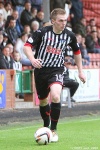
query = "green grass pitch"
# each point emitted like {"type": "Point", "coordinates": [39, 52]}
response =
{"type": "Point", "coordinates": [76, 133]}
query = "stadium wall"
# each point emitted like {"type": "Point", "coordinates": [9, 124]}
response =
{"type": "Point", "coordinates": [7, 89]}
{"type": "Point", "coordinates": [90, 91]}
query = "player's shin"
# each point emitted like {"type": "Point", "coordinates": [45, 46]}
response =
{"type": "Point", "coordinates": [55, 113]}
{"type": "Point", "coordinates": [45, 114]}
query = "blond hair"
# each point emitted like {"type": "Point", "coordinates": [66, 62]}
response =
{"type": "Point", "coordinates": [57, 11]}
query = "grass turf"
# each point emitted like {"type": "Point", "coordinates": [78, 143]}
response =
{"type": "Point", "coordinates": [80, 133]}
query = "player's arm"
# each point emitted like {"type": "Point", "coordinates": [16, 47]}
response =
{"type": "Point", "coordinates": [78, 58]}
{"type": "Point", "coordinates": [31, 42]}
{"type": "Point", "coordinates": [29, 53]}
{"type": "Point", "coordinates": [78, 61]}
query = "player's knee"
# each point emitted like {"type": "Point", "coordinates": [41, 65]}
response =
{"type": "Point", "coordinates": [56, 98]}
{"type": "Point", "coordinates": [43, 102]}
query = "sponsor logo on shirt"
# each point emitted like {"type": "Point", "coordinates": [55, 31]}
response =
{"type": "Point", "coordinates": [53, 50]}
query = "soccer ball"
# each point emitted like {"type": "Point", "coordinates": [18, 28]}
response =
{"type": "Point", "coordinates": [43, 136]}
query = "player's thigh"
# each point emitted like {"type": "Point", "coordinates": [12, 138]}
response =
{"type": "Point", "coordinates": [55, 91]}
{"type": "Point", "coordinates": [41, 85]}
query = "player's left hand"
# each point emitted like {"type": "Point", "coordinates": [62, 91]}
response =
{"type": "Point", "coordinates": [82, 77]}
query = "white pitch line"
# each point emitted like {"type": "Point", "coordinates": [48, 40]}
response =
{"type": "Point", "coordinates": [90, 120]}
{"type": "Point", "coordinates": [21, 128]}
{"type": "Point", "coordinates": [34, 126]}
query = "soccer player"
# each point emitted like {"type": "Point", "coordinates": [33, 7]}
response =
{"type": "Point", "coordinates": [50, 43]}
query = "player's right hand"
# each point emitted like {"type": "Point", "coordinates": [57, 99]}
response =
{"type": "Point", "coordinates": [37, 63]}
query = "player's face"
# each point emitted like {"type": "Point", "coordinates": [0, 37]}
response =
{"type": "Point", "coordinates": [59, 23]}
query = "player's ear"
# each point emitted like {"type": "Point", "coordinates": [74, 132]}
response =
{"type": "Point", "coordinates": [52, 21]}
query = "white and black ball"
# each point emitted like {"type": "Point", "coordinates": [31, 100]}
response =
{"type": "Point", "coordinates": [43, 136]}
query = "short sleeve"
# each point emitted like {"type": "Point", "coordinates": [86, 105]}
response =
{"type": "Point", "coordinates": [34, 39]}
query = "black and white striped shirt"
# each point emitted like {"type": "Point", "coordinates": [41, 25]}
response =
{"type": "Point", "coordinates": [50, 47]}
{"type": "Point", "coordinates": [17, 66]}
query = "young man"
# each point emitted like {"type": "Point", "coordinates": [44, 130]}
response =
{"type": "Point", "coordinates": [50, 43]}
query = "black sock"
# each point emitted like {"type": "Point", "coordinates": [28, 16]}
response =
{"type": "Point", "coordinates": [55, 113]}
{"type": "Point", "coordinates": [45, 114]}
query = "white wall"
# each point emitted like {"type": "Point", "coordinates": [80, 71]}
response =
{"type": "Point", "coordinates": [90, 91]}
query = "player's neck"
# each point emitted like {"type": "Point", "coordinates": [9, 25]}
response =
{"type": "Point", "coordinates": [56, 31]}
